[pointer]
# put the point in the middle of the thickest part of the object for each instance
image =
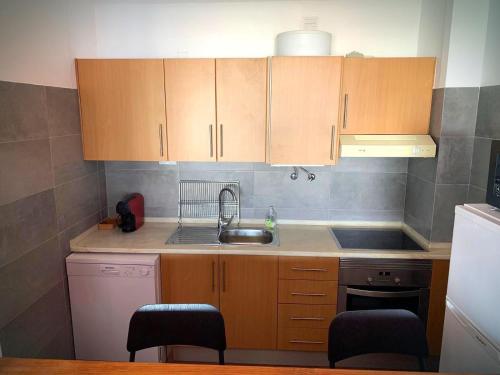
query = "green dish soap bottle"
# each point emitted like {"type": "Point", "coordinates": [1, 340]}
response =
{"type": "Point", "coordinates": [270, 221]}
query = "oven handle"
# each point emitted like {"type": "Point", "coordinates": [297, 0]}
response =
{"type": "Point", "coordinates": [375, 293]}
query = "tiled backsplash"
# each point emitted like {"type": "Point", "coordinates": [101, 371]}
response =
{"type": "Point", "coordinates": [355, 189]}
{"type": "Point", "coordinates": [463, 122]}
{"type": "Point", "coordinates": [48, 195]}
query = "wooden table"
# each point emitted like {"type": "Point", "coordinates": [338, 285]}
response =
{"type": "Point", "coordinates": [66, 367]}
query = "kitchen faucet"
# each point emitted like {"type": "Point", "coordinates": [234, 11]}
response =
{"type": "Point", "coordinates": [222, 222]}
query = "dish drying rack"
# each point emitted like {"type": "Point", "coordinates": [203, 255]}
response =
{"type": "Point", "coordinates": [199, 199]}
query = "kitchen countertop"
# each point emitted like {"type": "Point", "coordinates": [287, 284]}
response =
{"type": "Point", "coordinates": [294, 240]}
{"type": "Point", "coordinates": [70, 367]}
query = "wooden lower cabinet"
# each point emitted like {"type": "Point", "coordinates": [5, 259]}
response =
{"type": "Point", "coordinates": [244, 288]}
{"type": "Point", "coordinates": [307, 295]}
{"type": "Point", "coordinates": [249, 300]}
{"type": "Point", "coordinates": [190, 278]}
{"type": "Point", "coordinates": [437, 305]}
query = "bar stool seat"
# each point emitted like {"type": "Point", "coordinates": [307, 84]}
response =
{"type": "Point", "coordinates": [354, 333]}
{"type": "Point", "coordinates": [176, 324]}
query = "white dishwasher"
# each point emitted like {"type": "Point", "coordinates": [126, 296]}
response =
{"type": "Point", "coordinates": [105, 290]}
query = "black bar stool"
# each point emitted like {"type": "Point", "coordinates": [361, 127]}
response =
{"type": "Point", "coordinates": [376, 331]}
{"type": "Point", "coordinates": [176, 324]}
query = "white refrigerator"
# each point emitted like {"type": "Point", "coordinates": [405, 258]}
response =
{"type": "Point", "coordinates": [471, 337]}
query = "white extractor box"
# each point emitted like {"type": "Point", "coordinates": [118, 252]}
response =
{"type": "Point", "coordinates": [105, 290]}
{"type": "Point", "coordinates": [471, 338]}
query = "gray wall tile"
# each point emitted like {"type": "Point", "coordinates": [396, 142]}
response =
{"type": "Point", "coordinates": [68, 234]}
{"type": "Point", "coordinates": [480, 162]}
{"type": "Point", "coordinates": [219, 166]}
{"type": "Point", "coordinates": [75, 200]}
{"type": "Point", "coordinates": [25, 169]}
{"type": "Point", "coordinates": [23, 281]}
{"type": "Point", "coordinates": [103, 200]}
{"type": "Point", "coordinates": [368, 191]}
{"type": "Point", "coordinates": [488, 112]}
{"type": "Point", "coordinates": [159, 188]}
{"type": "Point", "coordinates": [476, 195]}
{"type": "Point", "coordinates": [455, 158]}
{"type": "Point", "coordinates": [419, 224]}
{"type": "Point", "coordinates": [62, 111]}
{"type": "Point", "coordinates": [23, 112]}
{"type": "Point", "coordinates": [25, 224]}
{"type": "Point", "coordinates": [423, 168]}
{"type": "Point", "coordinates": [246, 179]}
{"type": "Point", "coordinates": [35, 328]}
{"type": "Point", "coordinates": [459, 111]}
{"type": "Point", "coordinates": [365, 215]}
{"type": "Point", "coordinates": [436, 112]}
{"type": "Point", "coordinates": [135, 165]}
{"type": "Point", "coordinates": [382, 165]}
{"type": "Point", "coordinates": [447, 197]}
{"type": "Point", "coordinates": [277, 189]}
{"type": "Point", "coordinates": [419, 204]}
{"type": "Point", "coordinates": [293, 214]}
{"type": "Point", "coordinates": [67, 159]}
{"type": "Point", "coordinates": [60, 346]}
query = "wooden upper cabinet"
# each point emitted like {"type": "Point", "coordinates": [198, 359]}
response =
{"type": "Point", "coordinates": [190, 278]}
{"type": "Point", "coordinates": [249, 300]}
{"type": "Point", "coordinates": [241, 109]}
{"type": "Point", "coordinates": [387, 95]}
{"type": "Point", "coordinates": [190, 103]}
{"type": "Point", "coordinates": [305, 93]}
{"type": "Point", "coordinates": [122, 108]}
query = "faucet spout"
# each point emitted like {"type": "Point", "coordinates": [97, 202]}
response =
{"type": "Point", "coordinates": [222, 222]}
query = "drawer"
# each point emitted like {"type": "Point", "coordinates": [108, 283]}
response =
{"type": "Point", "coordinates": [308, 268]}
{"type": "Point", "coordinates": [305, 316]}
{"type": "Point", "coordinates": [307, 292]}
{"type": "Point", "coordinates": [303, 339]}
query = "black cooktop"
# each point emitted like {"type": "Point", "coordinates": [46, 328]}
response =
{"type": "Point", "coordinates": [361, 238]}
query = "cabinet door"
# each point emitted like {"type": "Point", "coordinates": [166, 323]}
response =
{"type": "Point", "coordinates": [190, 103]}
{"type": "Point", "coordinates": [305, 93]}
{"type": "Point", "coordinates": [249, 300]}
{"type": "Point", "coordinates": [190, 279]}
{"type": "Point", "coordinates": [122, 108]}
{"type": "Point", "coordinates": [387, 95]}
{"type": "Point", "coordinates": [437, 305]}
{"type": "Point", "coordinates": [241, 109]}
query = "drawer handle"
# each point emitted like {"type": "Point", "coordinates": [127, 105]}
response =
{"type": "Point", "coordinates": [305, 342]}
{"type": "Point", "coordinates": [308, 294]}
{"type": "Point", "coordinates": [310, 269]}
{"type": "Point", "coordinates": [306, 318]}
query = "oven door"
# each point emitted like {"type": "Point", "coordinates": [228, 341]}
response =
{"type": "Point", "coordinates": [415, 300]}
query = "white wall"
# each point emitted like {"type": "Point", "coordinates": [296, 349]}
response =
{"type": "Point", "coordinates": [40, 39]}
{"type": "Point", "coordinates": [467, 43]}
{"type": "Point", "coordinates": [491, 63]}
{"type": "Point", "coordinates": [434, 34]}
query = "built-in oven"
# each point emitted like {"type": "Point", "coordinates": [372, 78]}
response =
{"type": "Point", "coordinates": [370, 284]}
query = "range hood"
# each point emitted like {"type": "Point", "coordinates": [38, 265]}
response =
{"type": "Point", "coordinates": [388, 146]}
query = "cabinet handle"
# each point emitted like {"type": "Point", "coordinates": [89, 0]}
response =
{"type": "Point", "coordinates": [161, 139]}
{"type": "Point", "coordinates": [306, 318]}
{"type": "Point", "coordinates": [213, 276]}
{"type": "Point", "coordinates": [310, 269]}
{"type": "Point", "coordinates": [308, 294]}
{"type": "Point", "coordinates": [332, 141]}
{"type": "Point", "coordinates": [211, 140]}
{"type": "Point", "coordinates": [221, 141]}
{"type": "Point", "coordinates": [305, 342]}
{"type": "Point", "coordinates": [346, 103]}
{"type": "Point", "coordinates": [223, 276]}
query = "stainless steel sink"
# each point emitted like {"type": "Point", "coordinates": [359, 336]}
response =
{"type": "Point", "coordinates": [200, 235]}
{"type": "Point", "coordinates": [246, 236]}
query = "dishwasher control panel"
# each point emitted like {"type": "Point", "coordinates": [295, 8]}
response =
{"type": "Point", "coordinates": [125, 270]}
